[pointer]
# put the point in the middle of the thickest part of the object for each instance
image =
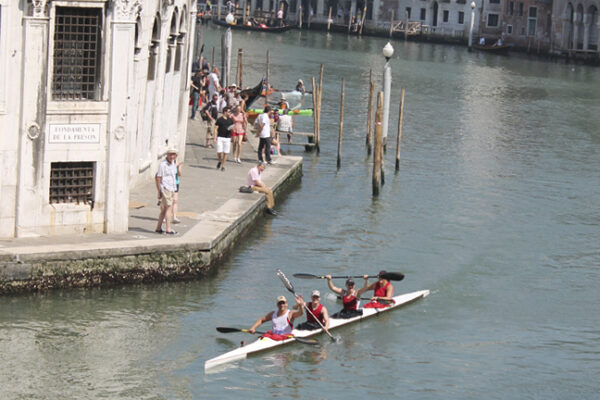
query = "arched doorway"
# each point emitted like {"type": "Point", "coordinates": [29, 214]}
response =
{"type": "Point", "coordinates": [593, 32]}
{"type": "Point", "coordinates": [578, 45]}
{"type": "Point", "coordinates": [435, 14]}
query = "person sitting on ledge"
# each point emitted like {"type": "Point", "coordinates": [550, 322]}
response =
{"type": "Point", "coordinates": [257, 185]}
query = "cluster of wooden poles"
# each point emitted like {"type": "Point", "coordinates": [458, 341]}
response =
{"type": "Point", "coordinates": [379, 146]}
{"type": "Point", "coordinates": [375, 142]}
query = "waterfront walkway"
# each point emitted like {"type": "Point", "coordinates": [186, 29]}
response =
{"type": "Point", "coordinates": [212, 211]}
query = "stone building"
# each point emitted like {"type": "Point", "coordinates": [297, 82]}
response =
{"type": "Point", "coordinates": [92, 93]}
{"type": "Point", "coordinates": [528, 23]}
{"type": "Point", "coordinates": [576, 26]}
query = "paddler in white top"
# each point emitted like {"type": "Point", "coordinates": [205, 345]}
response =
{"type": "Point", "coordinates": [282, 318]}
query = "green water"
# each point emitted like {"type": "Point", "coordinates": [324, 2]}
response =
{"type": "Point", "coordinates": [495, 209]}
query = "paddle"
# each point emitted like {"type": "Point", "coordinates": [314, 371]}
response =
{"type": "Point", "coordinates": [311, 341]}
{"type": "Point", "coordinates": [390, 276]}
{"type": "Point", "coordinates": [288, 285]}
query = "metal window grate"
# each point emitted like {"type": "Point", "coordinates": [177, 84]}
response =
{"type": "Point", "coordinates": [72, 182]}
{"type": "Point", "coordinates": [77, 33]}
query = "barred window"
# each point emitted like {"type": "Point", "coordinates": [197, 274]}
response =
{"type": "Point", "coordinates": [72, 182]}
{"type": "Point", "coordinates": [77, 35]}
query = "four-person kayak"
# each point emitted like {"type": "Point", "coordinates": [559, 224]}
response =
{"type": "Point", "coordinates": [263, 343]}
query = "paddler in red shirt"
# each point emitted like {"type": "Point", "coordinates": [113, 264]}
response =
{"type": "Point", "coordinates": [383, 288]}
{"type": "Point", "coordinates": [282, 319]}
{"type": "Point", "coordinates": [319, 311]}
{"type": "Point", "coordinates": [349, 297]}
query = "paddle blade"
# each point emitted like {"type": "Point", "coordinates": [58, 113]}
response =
{"type": "Point", "coordinates": [311, 341]}
{"type": "Point", "coordinates": [286, 282]}
{"type": "Point", "coordinates": [307, 276]}
{"type": "Point", "coordinates": [227, 330]}
{"type": "Point", "coordinates": [393, 276]}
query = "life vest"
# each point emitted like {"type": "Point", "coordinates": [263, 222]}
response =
{"type": "Point", "coordinates": [318, 313]}
{"type": "Point", "coordinates": [350, 301]}
{"type": "Point", "coordinates": [282, 324]}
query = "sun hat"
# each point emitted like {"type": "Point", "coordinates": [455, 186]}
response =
{"type": "Point", "coordinates": [171, 150]}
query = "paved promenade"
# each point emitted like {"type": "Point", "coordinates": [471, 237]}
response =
{"type": "Point", "coordinates": [211, 209]}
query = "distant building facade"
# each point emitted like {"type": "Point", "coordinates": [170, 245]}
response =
{"type": "Point", "coordinates": [528, 24]}
{"type": "Point", "coordinates": [92, 93]}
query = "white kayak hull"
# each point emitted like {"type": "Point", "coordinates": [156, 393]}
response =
{"type": "Point", "coordinates": [263, 344]}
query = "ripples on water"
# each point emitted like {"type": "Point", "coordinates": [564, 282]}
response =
{"type": "Point", "coordinates": [495, 209]}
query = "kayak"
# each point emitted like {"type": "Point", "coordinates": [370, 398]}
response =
{"type": "Point", "coordinates": [263, 344]}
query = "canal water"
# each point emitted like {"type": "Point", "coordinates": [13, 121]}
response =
{"type": "Point", "coordinates": [495, 209]}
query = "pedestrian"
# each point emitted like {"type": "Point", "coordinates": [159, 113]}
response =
{"type": "Point", "coordinates": [196, 65]}
{"type": "Point", "coordinates": [165, 184]}
{"type": "Point", "coordinates": [286, 124]}
{"type": "Point", "coordinates": [318, 314]}
{"type": "Point", "coordinates": [282, 319]}
{"type": "Point", "coordinates": [223, 127]}
{"type": "Point", "coordinates": [213, 82]}
{"type": "Point", "coordinates": [239, 130]}
{"type": "Point", "coordinates": [256, 183]}
{"type": "Point", "coordinates": [280, 16]}
{"type": "Point", "coordinates": [196, 85]}
{"type": "Point", "coordinates": [211, 112]}
{"type": "Point", "coordinates": [264, 129]}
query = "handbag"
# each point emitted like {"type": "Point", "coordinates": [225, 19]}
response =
{"type": "Point", "coordinates": [246, 189]}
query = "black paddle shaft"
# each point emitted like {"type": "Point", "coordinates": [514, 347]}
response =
{"type": "Point", "coordinates": [390, 276]}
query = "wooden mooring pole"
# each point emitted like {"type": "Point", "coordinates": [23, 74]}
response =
{"type": "Point", "coordinates": [392, 24]}
{"type": "Point", "coordinates": [339, 154]}
{"type": "Point", "coordinates": [315, 112]}
{"type": "Point", "coordinates": [378, 151]}
{"type": "Point", "coordinates": [399, 140]}
{"type": "Point", "coordinates": [369, 139]}
{"type": "Point", "coordinates": [319, 102]}
{"type": "Point", "coordinates": [268, 85]}
{"type": "Point", "coordinates": [329, 20]}
{"type": "Point", "coordinates": [212, 60]}
{"type": "Point", "coordinates": [240, 68]}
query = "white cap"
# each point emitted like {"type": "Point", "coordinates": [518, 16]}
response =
{"type": "Point", "coordinates": [316, 293]}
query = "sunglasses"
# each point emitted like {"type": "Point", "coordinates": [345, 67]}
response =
{"type": "Point", "coordinates": [281, 302]}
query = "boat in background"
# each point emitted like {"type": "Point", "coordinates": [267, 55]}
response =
{"type": "Point", "coordinates": [494, 48]}
{"type": "Point", "coordinates": [260, 27]}
{"type": "Point", "coordinates": [254, 93]}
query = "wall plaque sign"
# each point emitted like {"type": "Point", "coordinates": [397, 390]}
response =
{"type": "Point", "coordinates": [74, 133]}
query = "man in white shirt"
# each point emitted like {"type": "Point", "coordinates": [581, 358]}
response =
{"type": "Point", "coordinates": [213, 82]}
{"type": "Point", "coordinates": [166, 184]}
{"type": "Point", "coordinates": [254, 180]}
{"type": "Point", "coordinates": [264, 129]}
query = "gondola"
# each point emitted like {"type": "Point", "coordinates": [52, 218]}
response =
{"type": "Point", "coordinates": [242, 27]}
{"type": "Point", "coordinates": [254, 92]}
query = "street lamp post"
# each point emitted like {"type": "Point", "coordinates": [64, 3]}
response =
{"type": "Point", "coordinates": [227, 48]}
{"type": "Point", "coordinates": [388, 52]}
{"type": "Point", "coordinates": [471, 27]}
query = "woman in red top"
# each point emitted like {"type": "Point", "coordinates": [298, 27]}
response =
{"type": "Point", "coordinates": [319, 311]}
{"type": "Point", "coordinates": [237, 135]}
{"type": "Point", "coordinates": [383, 291]}
{"type": "Point", "coordinates": [349, 299]}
